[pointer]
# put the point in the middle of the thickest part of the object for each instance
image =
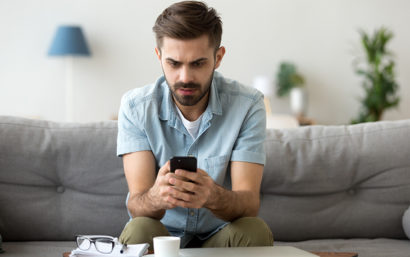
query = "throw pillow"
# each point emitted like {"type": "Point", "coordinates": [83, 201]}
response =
{"type": "Point", "coordinates": [406, 222]}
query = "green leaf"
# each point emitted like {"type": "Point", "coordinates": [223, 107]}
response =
{"type": "Point", "coordinates": [379, 78]}
{"type": "Point", "coordinates": [287, 78]}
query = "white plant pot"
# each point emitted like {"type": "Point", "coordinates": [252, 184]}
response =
{"type": "Point", "coordinates": [298, 101]}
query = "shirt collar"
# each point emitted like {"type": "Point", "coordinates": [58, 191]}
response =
{"type": "Point", "coordinates": [214, 100]}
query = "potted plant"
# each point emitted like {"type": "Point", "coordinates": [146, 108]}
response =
{"type": "Point", "coordinates": [289, 81]}
{"type": "Point", "coordinates": [378, 74]}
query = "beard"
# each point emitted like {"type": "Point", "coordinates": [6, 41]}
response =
{"type": "Point", "coordinates": [190, 100]}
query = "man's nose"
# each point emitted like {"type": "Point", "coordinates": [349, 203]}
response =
{"type": "Point", "coordinates": [186, 75]}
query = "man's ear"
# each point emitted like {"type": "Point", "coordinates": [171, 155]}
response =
{"type": "Point", "coordinates": [218, 56]}
{"type": "Point", "coordinates": [158, 52]}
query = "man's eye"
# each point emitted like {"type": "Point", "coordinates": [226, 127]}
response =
{"type": "Point", "coordinates": [173, 64]}
{"type": "Point", "coordinates": [197, 64]}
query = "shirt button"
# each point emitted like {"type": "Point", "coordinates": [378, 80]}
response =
{"type": "Point", "coordinates": [192, 213]}
{"type": "Point", "coordinates": [60, 189]}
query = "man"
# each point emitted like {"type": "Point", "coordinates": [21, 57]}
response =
{"type": "Point", "coordinates": [193, 110]}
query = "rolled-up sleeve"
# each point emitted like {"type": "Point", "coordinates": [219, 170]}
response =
{"type": "Point", "coordinates": [131, 136]}
{"type": "Point", "coordinates": [249, 145]}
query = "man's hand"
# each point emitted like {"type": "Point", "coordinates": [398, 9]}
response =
{"type": "Point", "coordinates": [198, 190]}
{"type": "Point", "coordinates": [184, 189]}
{"type": "Point", "coordinates": [152, 194]}
{"type": "Point", "coordinates": [191, 189]}
{"type": "Point", "coordinates": [159, 192]}
{"type": "Point", "coordinates": [147, 189]}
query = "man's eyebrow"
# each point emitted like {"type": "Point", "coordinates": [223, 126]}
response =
{"type": "Point", "coordinates": [194, 61]}
{"type": "Point", "coordinates": [200, 60]}
{"type": "Point", "coordinates": [170, 59]}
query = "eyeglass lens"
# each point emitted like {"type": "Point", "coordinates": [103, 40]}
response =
{"type": "Point", "coordinates": [83, 243]}
{"type": "Point", "coordinates": [104, 245]}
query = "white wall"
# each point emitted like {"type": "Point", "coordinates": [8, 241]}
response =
{"type": "Point", "coordinates": [320, 36]}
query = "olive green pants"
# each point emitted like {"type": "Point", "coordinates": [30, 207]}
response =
{"type": "Point", "coordinates": [244, 232]}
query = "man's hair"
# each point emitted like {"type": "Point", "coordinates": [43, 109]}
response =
{"type": "Point", "coordinates": [189, 20]}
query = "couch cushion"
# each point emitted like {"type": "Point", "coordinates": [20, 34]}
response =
{"type": "Point", "coordinates": [59, 179]}
{"type": "Point", "coordinates": [337, 181]}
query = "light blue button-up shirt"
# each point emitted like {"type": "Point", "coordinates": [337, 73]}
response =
{"type": "Point", "coordinates": [232, 129]}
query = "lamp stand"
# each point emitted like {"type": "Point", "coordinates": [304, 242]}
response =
{"type": "Point", "coordinates": [69, 89]}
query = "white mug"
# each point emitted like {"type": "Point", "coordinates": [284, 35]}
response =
{"type": "Point", "coordinates": [166, 246]}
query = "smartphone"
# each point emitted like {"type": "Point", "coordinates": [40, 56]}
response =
{"type": "Point", "coordinates": [183, 162]}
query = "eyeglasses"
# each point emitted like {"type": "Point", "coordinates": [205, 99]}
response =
{"type": "Point", "coordinates": [103, 244]}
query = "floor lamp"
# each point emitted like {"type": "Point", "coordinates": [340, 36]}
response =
{"type": "Point", "coordinates": [265, 86]}
{"type": "Point", "coordinates": [69, 41]}
{"type": "Point", "coordinates": [273, 120]}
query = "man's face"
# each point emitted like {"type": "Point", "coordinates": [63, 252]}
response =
{"type": "Point", "coordinates": [188, 66]}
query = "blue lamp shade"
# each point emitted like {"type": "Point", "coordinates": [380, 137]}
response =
{"type": "Point", "coordinates": [69, 40]}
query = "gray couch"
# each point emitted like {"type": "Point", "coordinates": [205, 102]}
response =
{"type": "Point", "coordinates": [325, 188]}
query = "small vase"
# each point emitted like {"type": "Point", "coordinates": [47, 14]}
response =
{"type": "Point", "coordinates": [298, 101]}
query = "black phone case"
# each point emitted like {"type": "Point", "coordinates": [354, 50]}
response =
{"type": "Point", "coordinates": [183, 162]}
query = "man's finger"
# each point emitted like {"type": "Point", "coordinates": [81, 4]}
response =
{"type": "Point", "coordinates": [202, 172]}
{"type": "Point", "coordinates": [183, 186]}
{"type": "Point", "coordinates": [164, 169]}
{"type": "Point", "coordinates": [181, 195]}
{"type": "Point", "coordinates": [187, 174]}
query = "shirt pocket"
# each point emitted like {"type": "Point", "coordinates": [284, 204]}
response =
{"type": "Point", "coordinates": [216, 167]}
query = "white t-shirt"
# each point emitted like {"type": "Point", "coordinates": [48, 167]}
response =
{"type": "Point", "coordinates": [191, 126]}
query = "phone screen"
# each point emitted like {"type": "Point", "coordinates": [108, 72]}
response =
{"type": "Point", "coordinates": [183, 162]}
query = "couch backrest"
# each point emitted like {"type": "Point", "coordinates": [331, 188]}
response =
{"type": "Point", "coordinates": [58, 180]}
{"type": "Point", "coordinates": [337, 181]}
{"type": "Point", "coordinates": [62, 179]}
